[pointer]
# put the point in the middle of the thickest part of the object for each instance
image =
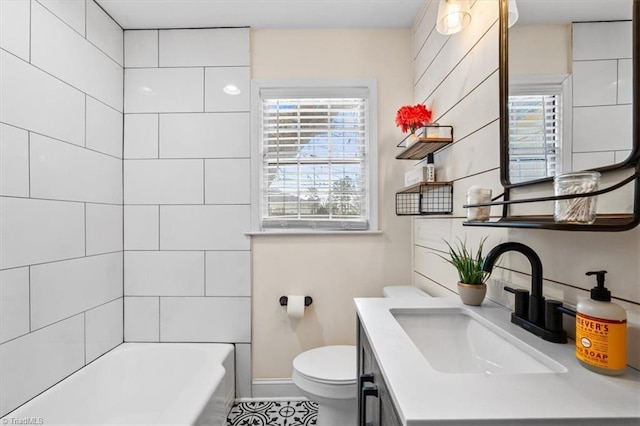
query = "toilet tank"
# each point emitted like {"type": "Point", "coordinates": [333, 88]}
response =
{"type": "Point", "coordinates": [403, 291]}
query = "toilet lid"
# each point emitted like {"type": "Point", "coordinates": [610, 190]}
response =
{"type": "Point", "coordinates": [328, 364]}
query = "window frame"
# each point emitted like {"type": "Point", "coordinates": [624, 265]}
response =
{"type": "Point", "coordinates": [560, 84]}
{"type": "Point", "coordinates": [313, 88]}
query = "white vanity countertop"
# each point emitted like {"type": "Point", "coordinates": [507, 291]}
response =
{"type": "Point", "coordinates": [425, 396]}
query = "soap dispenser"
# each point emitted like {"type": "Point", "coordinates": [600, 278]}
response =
{"type": "Point", "coordinates": [601, 331]}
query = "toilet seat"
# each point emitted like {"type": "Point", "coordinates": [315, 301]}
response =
{"type": "Point", "coordinates": [333, 365]}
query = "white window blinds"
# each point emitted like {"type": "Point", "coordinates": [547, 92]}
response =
{"type": "Point", "coordinates": [535, 133]}
{"type": "Point", "coordinates": [314, 161]}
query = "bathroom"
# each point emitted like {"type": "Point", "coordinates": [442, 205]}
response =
{"type": "Point", "coordinates": [128, 204]}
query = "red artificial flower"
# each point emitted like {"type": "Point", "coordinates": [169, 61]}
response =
{"type": "Point", "coordinates": [412, 117]}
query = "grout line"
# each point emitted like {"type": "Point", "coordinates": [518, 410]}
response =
{"type": "Point", "coordinates": [85, 120]}
{"type": "Point", "coordinates": [84, 318]}
{"type": "Point", "coordinates": [29, 162]}
{"type": "Point", "coordinates": [72, 201]}
{"type": "Point", "coordinates": [159, 227]}
{"type": "Point", "coordinates": [86, 20]}
{"type": "Point", "coordinates": [204, 181]}
{"type": "Point", "coordinates": [158, 141]}
{"type": "Point", "coordinates": [71, 316]}
{"type": "Point", "coordinates": [204, 89]}
{"type": "Point", "coordinates": [30, 28]}
{"type": "Point", "coordinates": [158, 48]}
{"type": "Point", "coordinates": [72, 258]}
{"type": "Point", "coordinates": [205, 273]}
{"type": "Point", "coordinates": [29, 275]}
{"type": "Point", "coordinates": [85, 229]}
{"type": "Point", "coordinates": [61, 140]}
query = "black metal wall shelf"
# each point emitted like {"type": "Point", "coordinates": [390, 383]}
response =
{"type": "Point", "coordinates": [424, 145]}
{"type": "Point", "coordinates": [603, 223]}
{"type": "Point", "coordinates": [425, 198]}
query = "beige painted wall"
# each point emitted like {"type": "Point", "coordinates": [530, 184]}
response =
{"type": "Point", "coordinates": [462, 76]}
{"type": "Point", "coordinates": [331, 269]}
{"type": "Point", "coordinates": [540, 49]}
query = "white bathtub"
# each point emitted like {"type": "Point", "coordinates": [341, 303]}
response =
{"type": "Point", "coordinates": [142, 384]}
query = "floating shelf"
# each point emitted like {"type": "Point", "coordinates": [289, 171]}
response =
{"type": "Point", "coordinates": [609, 223]}
{"type": "Point", "coordinates": [423, 147]}
{"type": "Point", "coordinates": [425, 198]}
{"type": "Point", "coordinates": [417, 148]}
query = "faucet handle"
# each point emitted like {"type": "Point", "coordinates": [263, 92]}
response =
{"type": "Point", "coordinates": [553, 315]}
{"type": "Point", "coordinates": [521, 306]}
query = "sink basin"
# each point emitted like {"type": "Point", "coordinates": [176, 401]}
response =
{"type": "Point", "coordinates": [453, 341]}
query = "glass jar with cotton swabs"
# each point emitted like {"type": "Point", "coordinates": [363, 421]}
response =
{"type": "Point", "coordinates": [580, 210]}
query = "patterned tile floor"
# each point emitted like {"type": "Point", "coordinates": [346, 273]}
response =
{"type": "Point", "coordinates": [273, 413]}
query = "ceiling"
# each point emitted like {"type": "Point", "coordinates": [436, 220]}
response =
{"type": "Point", "coordinates": [147, 14]}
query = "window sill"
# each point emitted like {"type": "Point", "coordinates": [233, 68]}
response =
{"type": "Point", "coordinates": [281, 232]}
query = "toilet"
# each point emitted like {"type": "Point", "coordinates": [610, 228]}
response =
{"type": "Point", "coordinates": [327, 375]}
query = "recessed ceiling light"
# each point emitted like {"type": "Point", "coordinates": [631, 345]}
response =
{"type": "Point", "coordinates": [231, 89]}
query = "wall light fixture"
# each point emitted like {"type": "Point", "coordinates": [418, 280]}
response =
{"type": "Point", "coordinates": [513, 12]}
{"type": "Point", "coordinates": [453, 16]}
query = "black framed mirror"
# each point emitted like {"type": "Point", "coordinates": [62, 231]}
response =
{"type": "Point", "coordinates": [568, 88]}
{"type": "Point", "coordinates": [625, 173]}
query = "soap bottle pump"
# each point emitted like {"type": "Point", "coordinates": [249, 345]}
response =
{"type": "Point", "coordinates": [601, 331]}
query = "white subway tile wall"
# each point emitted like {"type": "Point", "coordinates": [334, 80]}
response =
{"type": "Point", "coordinates": [14, 161]}
{"type": "Point", "coordinates": [457, 76]}
{"type": "Point", "coordinates": [104, 128]}
{"type": "Point", "coordinates": [56, 48]}
{"type": "Point", "coordinates": [14, 303]}
{"type": "Point", "coordinates": [60, 114]}
{"type": "Point", "coordinates": [141, 136]}
{"type": "Point", "coordinates": [163, 90]}
{"type": "Point", "coordinates": [142, 228]}
{"type": "Point", "coordinates": [219, 78]}
{"type": "Point", "coordinates": [602, 83]}
{"type": "Point", "coordinates": [214, 135]}
{"type": "Point", "coordinates": [38, 360]}
{"type": "Point", "coordinates": [61, 263]}
{"type": "Point", "coordinates": [186, 189]}
{"type": "Point", "coordinates": [103, 326]}
{"type": "Point", "coordinates": [141, 49]}
{"type": "Point", "coordinates": [14, 27]}
{"type": "Point", "coordinates": [141, 319]}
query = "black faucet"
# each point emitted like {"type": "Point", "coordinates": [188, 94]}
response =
{"type": "Point", "coordinates": [533, 313]}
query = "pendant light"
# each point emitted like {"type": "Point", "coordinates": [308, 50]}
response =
{"type": "Point", "coordinates": [453, 16]}
{"type": "Point", "coordinates": [513, 12]}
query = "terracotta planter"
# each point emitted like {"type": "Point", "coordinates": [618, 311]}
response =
{"type": "Point", "coordinates": [472, 294]}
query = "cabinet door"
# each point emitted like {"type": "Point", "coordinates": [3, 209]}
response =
{"type": "Point", "coordinates": [379, 411]}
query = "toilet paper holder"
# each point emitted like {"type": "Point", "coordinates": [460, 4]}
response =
{"type": "Point", "coordinates": [284, 300]}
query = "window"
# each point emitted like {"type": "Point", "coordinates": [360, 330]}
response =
{"type": "Point", "coordinates": [316, 157]}
{"type": "Point", "coordinates": [537, 116]}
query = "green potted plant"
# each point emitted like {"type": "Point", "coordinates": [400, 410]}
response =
{"type": "Point", "coordinates": [471, 287]}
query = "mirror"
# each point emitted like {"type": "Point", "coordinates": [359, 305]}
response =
{"type": "Point", "coordinates": [569, 89]}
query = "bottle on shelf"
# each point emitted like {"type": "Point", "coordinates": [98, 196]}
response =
{"type": "Point", "coordinates": [431, 169]}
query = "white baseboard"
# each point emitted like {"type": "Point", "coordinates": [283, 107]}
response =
{"type": "Point", "coordinates": [275, 388]}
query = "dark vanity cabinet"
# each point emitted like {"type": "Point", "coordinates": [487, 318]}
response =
{"type": "Point", "coordinates": [375, 407]}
